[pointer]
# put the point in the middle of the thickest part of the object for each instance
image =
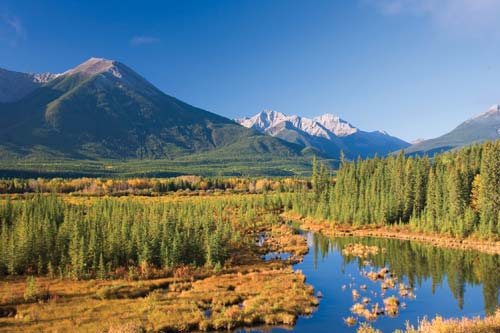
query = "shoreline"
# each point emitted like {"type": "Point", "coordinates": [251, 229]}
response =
{"type": "Point", "coordinates": [397, 232]}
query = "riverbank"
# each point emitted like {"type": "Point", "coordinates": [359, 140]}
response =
{"type": "Point", "coordinates": [394, 232]}
{"type": "Point", "coordinates": [489, 324]}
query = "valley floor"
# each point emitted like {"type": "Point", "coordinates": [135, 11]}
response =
{"type": "Point", "coordinates": [246, 291]}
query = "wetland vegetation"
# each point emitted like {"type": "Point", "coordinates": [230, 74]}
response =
{"type": "Point", "coordinates": [169, 264]}
{"type": "Point", "coordinates": [194, 253]}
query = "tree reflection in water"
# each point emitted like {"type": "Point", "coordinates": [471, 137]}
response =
{"type": "Point", "coordinates": [415, 262]}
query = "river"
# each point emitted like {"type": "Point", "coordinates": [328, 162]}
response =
{"type": "Point", "coordinates": [448, 282]}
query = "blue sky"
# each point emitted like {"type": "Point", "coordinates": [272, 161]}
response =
{"type": "Point", "coordinates": [416, 68]}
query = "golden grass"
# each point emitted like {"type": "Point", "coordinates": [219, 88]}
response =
{"type": "Point", "coordinates": [360, 250]}
{"type": "Point", "coordinates": [247, 291]}
{"type": "Point", "coordinates": [380, 275]}
{"type": "Point", "coordinates": [284, 240]}
{"type": "Point", "coordinates": [257, 294]}
{"type": "Point", "coordinates": [391, 306]}
{"type": "Point", "coordinates": [350, 321]}
{"type": "Point", "coordinates": [490, 324]}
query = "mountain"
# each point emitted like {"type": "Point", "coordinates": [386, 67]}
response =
{"type": "Point", "coordinates": [102, 109]}
{"type": "Point", "coordinates": [327, 133]}
{"type": "Point", "coordinates": [485, 126]}
{"type": "Point", "coordinates": [16, 85]}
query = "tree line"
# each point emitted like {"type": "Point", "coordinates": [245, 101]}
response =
{"type": "Point", "coordinates": [148, 186]}
{"type": "Point", "coordinates": [45, 235]}
{"type": "Point", "coordinates": [455, 193]}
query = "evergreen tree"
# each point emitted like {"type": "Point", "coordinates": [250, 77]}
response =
{"type": "Point", "coordinates": [489, 192]}
{"type": "Point", "coordinates": [101, 273]}
{"type": "Point", "coordinates": [457, 193]}
{"type": "Point", "coordinates": [315, 178]}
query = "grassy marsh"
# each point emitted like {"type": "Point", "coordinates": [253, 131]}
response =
{"type": "Point", "coordinates": [245, 291]}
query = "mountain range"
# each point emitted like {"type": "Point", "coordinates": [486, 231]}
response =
{"type": "Point", "coordinates": [485, 126]}
{"type": "Point", "coordinates": [103, 109]}
{"type": "Point", "coordinates": [327, 133]}
{"type": "Point", "coordinates": [103, 118]}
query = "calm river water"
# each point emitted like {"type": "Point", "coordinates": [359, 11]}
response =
{"type": "Point", "coordinates": [451, 283]}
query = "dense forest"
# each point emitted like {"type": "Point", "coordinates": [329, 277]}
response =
{"type": "Point", "coordinates": [455, 193]}
{"type": "Point", "coordinates": [112, 237]}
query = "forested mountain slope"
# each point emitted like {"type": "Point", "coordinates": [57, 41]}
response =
{"type": "Point", "coordinates": [102, 109]}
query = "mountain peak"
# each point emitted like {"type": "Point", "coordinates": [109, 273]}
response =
{"type": "Point", "coordinates": [271, 114]}
{"type": "Point", "coordinates": [95, 66]}
{"type": "Point", "coordinates": [336, 125]}
{"type": "Point", "coordinates": [493, 110]}
{"type": "Point", "coordinates": [262, 120]}
{"type": "Point", "coordinates": [16, 85]}
{"type": "Point", "coordinates": [44, 77]}
{"type": "Point", "coordinates": [326, 125]}
{"type": "Point", "coordinates": [104, 109]}
{"type": "Point", "coordinates": [482, 127]}
{"type": "Point", "coordinates": [327, 133]}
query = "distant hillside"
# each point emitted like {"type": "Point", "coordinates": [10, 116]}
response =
{"type": "Point", "coordinates": [485, 126]}
{"type": "Point", "coordinates": [16, 85]}
{"type": "Point", "coordinates": [328, 134]}
{"type": "Point", "coordinates": [102, 109]}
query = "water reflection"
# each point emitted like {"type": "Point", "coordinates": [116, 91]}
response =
{"type": "Point", "coordinates": [276, 256]}
{"type": "Point", "coordinates": [448, 282]}
{"type": "Point", "coordinates": [415, 262]}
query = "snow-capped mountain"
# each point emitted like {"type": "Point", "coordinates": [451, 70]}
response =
{"type": "Point", "coordinates": [16, 85]}
{"type": "Point", "coordinates": [268, 121]}
{"type": "Point", "coordinates": [485, 126]}
{"type": "Point", "coordinates": [335, 124]}
{"type": "Point", "coordinates": [328, 133]}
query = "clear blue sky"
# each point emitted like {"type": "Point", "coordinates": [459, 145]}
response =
{"type": "Point", "coordinates": [415, 68]}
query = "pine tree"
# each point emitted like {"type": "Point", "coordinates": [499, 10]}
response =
{"type": "Point", "coordinates": [101, 273]}
{"type": "Point", "coordinates": [315, 178]}
{"type": "Point", "coordinates": [489, 192]}
{"type": "Point", "coordinates": [409, 191]}
{"type": "Point", "coordinates": [50, 270]}
{"type": "Point", "coordinates": [323, 178]}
